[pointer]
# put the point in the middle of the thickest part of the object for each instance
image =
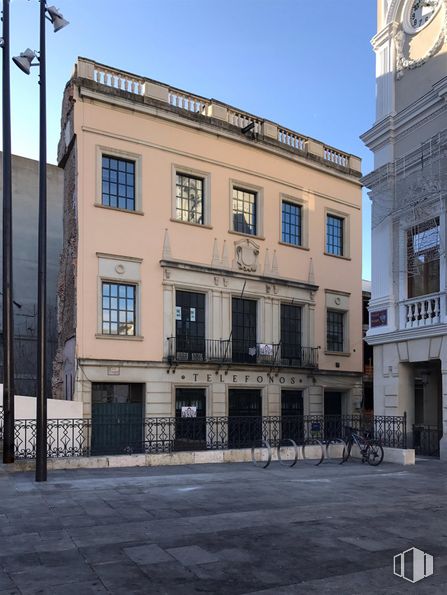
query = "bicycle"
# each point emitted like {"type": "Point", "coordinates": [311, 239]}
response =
{"type": "Point", "coordinates": [370, 450]}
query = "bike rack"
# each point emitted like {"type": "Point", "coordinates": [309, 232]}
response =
{"type": "Point", "coordinates": [313, 442]}
{"type": "Point", "coordinates": [295, 447]}
{"type": "Point", "coordinates": [262, 464]}
{"type": "Point", "coordinates": [336, 441]}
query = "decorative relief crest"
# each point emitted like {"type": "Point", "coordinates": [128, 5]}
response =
{"type": "Point", "coordinates": [403, 62]}
{"type": "Point", "coordinates": [120, 269]}
{"type": "Point", "coordinates": [247, 253]}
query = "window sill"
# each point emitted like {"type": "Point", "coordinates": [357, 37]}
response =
{"type": "Point", "coordinates": [120, 337]}
{"type": "Point", "coordinates": [294, 246]}
{"type": "Point", "coordinates": [246, 235]}
{"type": "Point", "coordinates": [337, 256]}
{"type": "Point", "coordinates": [338, 353]}
{"type": "Point", "coordinates": [201, 225]}
{"type": "Point", "coordinates": [100, 206]}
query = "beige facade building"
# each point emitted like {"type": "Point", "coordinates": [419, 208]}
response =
{"type": "Point", "coordinates": [408, 309]}
{"type": "Point", "coordinates": [212, 259]}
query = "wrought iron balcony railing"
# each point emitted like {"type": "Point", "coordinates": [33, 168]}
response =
{"type": "Point", "coordinates": [226, 351]}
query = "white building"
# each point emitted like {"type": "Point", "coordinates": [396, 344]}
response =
{"type": "Point", "coordinates": [408, 312]}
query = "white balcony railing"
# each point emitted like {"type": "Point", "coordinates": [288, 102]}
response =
{"type": "Point", "coordinates": [423, 311]}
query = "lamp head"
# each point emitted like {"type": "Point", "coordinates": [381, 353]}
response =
{"type": "Point", "coordinates": [56, 18]}
{"type": "Point", "coordinates": [25, 60]}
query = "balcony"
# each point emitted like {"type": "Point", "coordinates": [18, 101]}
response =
{"type": "Point", "coordinates": [231, 351]}
{"type": "Point", "coordinates": [424, 311]}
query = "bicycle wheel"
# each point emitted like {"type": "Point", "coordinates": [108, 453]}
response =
{"type": "Point", "coordinates": [374, 454]}
{"type": "Point", "coordinates": [346, 452]}
{"type": "Point", "coordinates": [315, 448]}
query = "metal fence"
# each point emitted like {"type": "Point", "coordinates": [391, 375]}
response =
{"type": "Point", "coordinates": [99, 437]}
{"type": "Point", "coordinates": [426, 440]}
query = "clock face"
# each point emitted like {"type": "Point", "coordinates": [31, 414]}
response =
{"type": "Point", "coordinates": [421, 13]}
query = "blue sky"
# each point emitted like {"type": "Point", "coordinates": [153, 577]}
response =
{"type": "Point", "coordinates": [305, 64]}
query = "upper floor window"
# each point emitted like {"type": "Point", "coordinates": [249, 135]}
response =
{"type": "Point", "coordinates": [118, 309]}
{"type": "Point", "coordinates": [291, 223]}
{"type": "Point", "coordinates": [118, 183]}
{"type": "Point", "coordinates": [423, 258]}
{"type": "Point", "coordinates": [190, 198]}
{"type": "Point", "coordinates": [335, 331]}
{"type": "Point", "coordinates": [335, 235]}
{"type": "Point", "coordinates": [244, 211]}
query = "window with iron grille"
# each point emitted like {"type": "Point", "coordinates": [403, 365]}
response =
{"type": "Point", "coordinates": [244, 211]}
{"type": "Point", "coordinates": [118, 309]}
{"type": "Point", "coordinates": [334, 235]}
{"type": "Point", "coordinates": [291, 223]}
{"type": "Point", "coordinates": [335, 330]}
{"type": "Point", "coordinates": [190, 198]}
{"type": "Point", "coordinates": [118, 183]}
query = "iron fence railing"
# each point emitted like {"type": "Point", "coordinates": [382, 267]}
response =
{"type": "Point", "coordinates": [225, 351]}
{"type": "Point", "coordinates": [82, 437]}
{"type": "Point", "coordinates": [426, 440]}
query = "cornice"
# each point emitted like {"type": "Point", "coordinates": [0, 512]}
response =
{"type": "Point", "coordinates": [396, 126]}
{"type": "Point", "coordinates": [203, 268]}
{"type": "Point", "coordinates": [95, 92]}
{"type": "Point", "coordinates": [384, 35]}
{"type": "Point", "coordinates": [407, 335]}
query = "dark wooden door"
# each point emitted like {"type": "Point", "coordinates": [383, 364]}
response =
{"type": "Point", "coordinates": [245, 418]}
{"type": "Point", "coordinates": [244, 330]}
{"type": "Point", "coordinates": [292, 422]}
{"type": "Point", "coordinates": [190, 432]}
{"type": "Point", "coordinates": [332, 415]}
{"type": "Point", "coordinates": [117, 418]}
{"type": "Point", "coordinates": [190, 326]}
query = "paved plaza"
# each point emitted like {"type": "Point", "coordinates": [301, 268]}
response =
{"type": "Point", "coordinates": [229, 529]}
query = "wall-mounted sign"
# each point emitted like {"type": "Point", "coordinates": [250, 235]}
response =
{"type": "Point", "coordinates": [178, 312]}
{"type": "Point", "coordinates": [192, 314]}
{"type": "Point", "coordinates": [113, 371]}
{"type": "Point", "coordinates": [189, 411]}
{"type": "Point", "coordinates": [379, 318]}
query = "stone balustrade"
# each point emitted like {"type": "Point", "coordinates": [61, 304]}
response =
{"type": "Point", "coordinates": [211, 108]}
{"type": "Point", "coordinates": [421, 312]}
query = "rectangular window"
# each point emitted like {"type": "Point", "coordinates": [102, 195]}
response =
{"type": "Point", "coordinates": [291, 223]}
{"type": "Point", "coordinates": [335, 331]}
{"type": "Point", "coordinates": [189, 198]}
{"type": "Point", "coordinates": [118, 309]}
{"type": "Point", "coordinates": [118, 183]}
{"type": "Point", "coordinates": [244, 211]}
{"type": "Point", "coordinates": [423, 259]}
{"type": "Point", "coordinates": [334, 235]}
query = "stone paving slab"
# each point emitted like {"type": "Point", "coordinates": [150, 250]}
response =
{"type": "Point", "coordinates": [223, 529]}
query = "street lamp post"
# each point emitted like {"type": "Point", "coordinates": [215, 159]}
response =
{"type": "Point", "coordinates": [24, 62]}
{"type": "Point", "coordinates": [8, 319]}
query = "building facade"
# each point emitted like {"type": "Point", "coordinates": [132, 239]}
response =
{"type": "Point", "coordinates": [25, 184]}
{"type": "Point", "coordinates": [212, 259]}
{"type": "Point", "coordinates": [408, 191]}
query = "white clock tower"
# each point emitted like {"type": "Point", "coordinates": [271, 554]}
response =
{"type": "Point", "coordinates": [408, 189]}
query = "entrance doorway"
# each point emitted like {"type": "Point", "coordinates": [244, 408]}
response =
{"type": "Point", "coordinates": [244, 417]}
{"type": "Point", "coordinates": [190, 419]}
{"type": "Point", "coordinates": [332, 415]}
{"type": "Point", "coordinates": [117, 418]}
{"type": "Point", "coordinates": [427, 428]}
{"type": "Point", "coordinates": [292, 422]}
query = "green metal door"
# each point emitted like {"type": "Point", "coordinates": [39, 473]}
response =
{"type": "Point", "coordinates": [117, 419]}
